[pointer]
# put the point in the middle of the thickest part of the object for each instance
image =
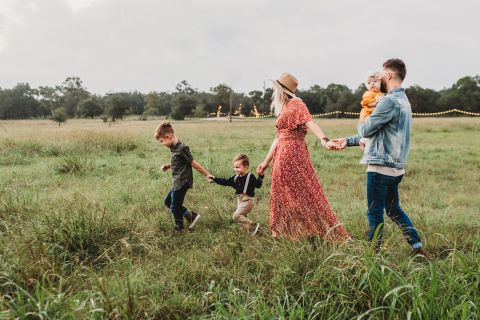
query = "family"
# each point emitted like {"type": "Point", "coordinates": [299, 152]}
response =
{"type": "Point", "coordinates": [299, 208]}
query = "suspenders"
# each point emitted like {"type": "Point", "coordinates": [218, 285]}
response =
{"type": "Point", "coordinates": [246, 182]}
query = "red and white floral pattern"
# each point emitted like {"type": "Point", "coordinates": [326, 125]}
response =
{"type": "Point", "coordinates": [298, 206]}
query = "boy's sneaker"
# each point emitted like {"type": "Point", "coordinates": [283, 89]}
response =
{"type": "Point", "coordinates": [192, 219]}
{"type": "Point", "coordinates": [178, 230]}
{"type": "Point", "coordinates": [257, 228]}
{"type": "Point", "coordinates": [420, 252]}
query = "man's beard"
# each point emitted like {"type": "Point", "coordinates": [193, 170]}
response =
{"type": "Point", "coordinates": [383, 86]}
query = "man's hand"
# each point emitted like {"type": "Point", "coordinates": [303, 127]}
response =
{"type": "Point", "coordinates": [165, 167]}
{"type": "Point", "coordinates": [341, 143]}
{"type": "Point", "coordinates": [210, 178]}
{"type": "Point", "coordinates": [331, 145]}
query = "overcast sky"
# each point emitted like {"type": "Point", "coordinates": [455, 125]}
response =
{"type": "Point", "coordinates": [151, 45]}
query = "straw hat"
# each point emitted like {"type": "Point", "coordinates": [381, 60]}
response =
{"type": "Point", "coordinates": [287, 83]}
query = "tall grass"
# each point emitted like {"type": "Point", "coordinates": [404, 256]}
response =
{"type": "Point", "coordinates": [84, 234]}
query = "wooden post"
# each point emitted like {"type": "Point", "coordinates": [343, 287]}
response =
{"type": "Point", "coordinates": [230, 106]}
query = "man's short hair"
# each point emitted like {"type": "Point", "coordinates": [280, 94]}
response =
{"type": "Point", "coordinates": [242, 157]}
{"type": "Point", "coordinates": [397, 66]}
{"type": "Point", "coordinates": [164, 129]}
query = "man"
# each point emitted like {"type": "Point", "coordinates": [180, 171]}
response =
{"type": "Point", "coordinates": [389, 129]}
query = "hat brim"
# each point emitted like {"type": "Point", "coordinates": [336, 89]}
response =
{"type": "Point", "coordinates": [277, 84]}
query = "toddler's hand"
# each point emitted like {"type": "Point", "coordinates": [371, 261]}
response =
{"type": "Point", "coordinates": [362, 145]}
{"type": "Point", "coordinates": [210, 178]}
{"type": "Point", "coordinates": [165, 167]}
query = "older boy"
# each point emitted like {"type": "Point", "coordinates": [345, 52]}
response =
{"type": "Point", "coordinates": [182, 177]}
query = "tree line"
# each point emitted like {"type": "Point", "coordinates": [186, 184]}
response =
{"type": "Point", "coordinates": [71, 99]}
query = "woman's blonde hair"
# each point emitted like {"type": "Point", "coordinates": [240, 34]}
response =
{"type": "Point", "coordinates": [279, 99]}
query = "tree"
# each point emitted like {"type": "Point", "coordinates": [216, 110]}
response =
{"type": "Point", "coordinates": [91, 107]}
{"type": "Point", "coordinates": [116, 105]}
{"type": "Point", "coordinates": [184, 87]}
{"type": "Point", "coordinates": [73, 94]}
{"type": "Point", "coordinates": [183, 101]}
{"type": "Point", "coordinates": [208, 100]}
{"type": "Point", "coordinates": [136, 102]}
{"type": "Point", "coordinates": [422, 100]}
{"type": "Point", "coordinates": [464, 94]}
{"type": "Point", "coordinates": [256, 99]}
{"type": "Point", "coordinates": [183, 104]}
{"type": "Point", "coordinates": [222, 94]}
{"type": "Point", "coordinates": [158, 103]}
{"type": "Point", "coordinates": [267, 98]}
{"type": "Point", "coordinates": [333, 92]}
{"type": "Point", "coordinates": [19, 103]}
{"type": "Point", "coordinates": [49, 97]}
{"type": "Point", "coordinates": [199, 111]}
{"type": "Point", "coordinates": [314, 98]}
{"type": "Point", "coordinates": [59, 115]}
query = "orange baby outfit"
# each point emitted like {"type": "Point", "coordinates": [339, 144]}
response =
{"type": "Point", "coordinates": [367, 98]}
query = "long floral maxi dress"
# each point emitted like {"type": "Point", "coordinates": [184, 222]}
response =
{"type": "Point", "coordinates": [298, 206]}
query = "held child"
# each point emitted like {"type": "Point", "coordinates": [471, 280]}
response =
{"type": "Point", "coordinates": [182, 177]}
{"type": "Point", "coordinates": [244, 183]}
{"type": "Point", "coordinates": [369, 101]}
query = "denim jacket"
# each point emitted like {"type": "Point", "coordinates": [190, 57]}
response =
{"type": "Point", "coordinates": [389, 129]}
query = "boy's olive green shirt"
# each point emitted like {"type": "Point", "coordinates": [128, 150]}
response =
{"type": "Point", "coordinates": [181, 164]}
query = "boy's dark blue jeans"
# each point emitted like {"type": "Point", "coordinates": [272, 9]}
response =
{"type": "Point", "coordinates": [382, 194]}
{"type": "Point", "coordinates": [174, 201]}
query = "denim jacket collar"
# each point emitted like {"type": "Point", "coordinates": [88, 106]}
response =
{"type": "Point", "coordinates": [396, 90]}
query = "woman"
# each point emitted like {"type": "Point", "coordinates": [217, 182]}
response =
{"type": "Point", "coordinates": [298, 206]}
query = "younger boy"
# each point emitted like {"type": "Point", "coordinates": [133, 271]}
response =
{"type": "Point", "coordinates": [182, 177]}
{"type": "Point", "coordinates": [244, 183]}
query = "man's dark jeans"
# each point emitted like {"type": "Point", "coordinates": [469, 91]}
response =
{"type": "Point", "coordinates": [382, 194]}
{"type": "Point", "coordinates": [174, 201]}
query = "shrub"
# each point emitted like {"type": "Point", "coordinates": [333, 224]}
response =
{"type": "Point", "coordinates": [72, 165]}
{"type": "Point", "coordinates": [59, 115]}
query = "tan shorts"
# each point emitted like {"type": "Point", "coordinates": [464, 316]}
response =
{"type": "Point", "coordinates": [244, 206]}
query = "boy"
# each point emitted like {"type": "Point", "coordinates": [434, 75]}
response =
{"type": "Point", "coordinates": [182, 177]}
{"type": "Point", "coordinates": [244, 183]}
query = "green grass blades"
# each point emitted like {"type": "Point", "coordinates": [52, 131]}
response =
{"type": "Point", "coordinates": [84, 233]}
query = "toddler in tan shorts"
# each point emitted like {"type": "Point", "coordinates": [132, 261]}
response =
{"type": "Point", "coordinates": [244, 183]}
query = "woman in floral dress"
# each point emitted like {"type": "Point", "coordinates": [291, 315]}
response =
{"type": "Point", "coordinates": [299, 208]}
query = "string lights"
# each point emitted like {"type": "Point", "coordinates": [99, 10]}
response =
{"type": "Point", "coordinates": [338, 113]}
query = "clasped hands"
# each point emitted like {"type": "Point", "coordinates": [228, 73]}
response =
{"type": "Point", "coordinates": [336, 144]}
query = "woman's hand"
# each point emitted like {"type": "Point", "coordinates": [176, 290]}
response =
{"type": "Point", "coordinates": [261, 168]}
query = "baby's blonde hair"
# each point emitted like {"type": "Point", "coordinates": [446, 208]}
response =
{"type": "Point", "coordinates": [373, 74]}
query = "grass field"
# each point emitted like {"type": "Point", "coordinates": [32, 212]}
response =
{"type": "Point", "coordinates": [83, 233]}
